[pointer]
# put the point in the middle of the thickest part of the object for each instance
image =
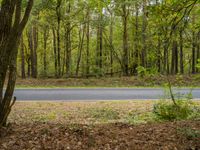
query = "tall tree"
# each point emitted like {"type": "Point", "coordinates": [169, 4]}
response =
{"type": "Point", "coordinates": [11, 28]}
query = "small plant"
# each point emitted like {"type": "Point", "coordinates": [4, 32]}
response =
{"type": "Point", "coordinates": [167, 110]}
{"type": "Point", "coordinates": [46, 117]}
{"type": "Point", "coordinates": [141, 71]}
{"type": "Point", "coordinates": [138, 118]}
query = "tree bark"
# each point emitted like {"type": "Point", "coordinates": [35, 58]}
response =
{"type": "Point", "coordinates": [88, 44]}
{"type": "Point", "coordinates": [68, 41]}
{"type": "Point", "coordinates": [23, 72]}
{"type": "Point", "coordinates": [58, 13]}
{"type": "Point", "coordinates": [45, 38]}
{"type": "Point", "coordinates": [11, 28]}
{"type": "Point", "coordinates": [125, 40]}
{"type": "Point", "coordinates": [181, 52]}
{"type": "Point", "coordinates": [55, 53]}
{"type": "Point", "coordinates": [81, 40]}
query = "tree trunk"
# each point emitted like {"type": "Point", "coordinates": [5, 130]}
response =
{"type": "Point", "coordinates": [136, 41]}
{"type": "Point", "coordinates": [23, 72]}
{"type": "Point", "coordinates": [111, 43]}
{"type": "Point", "coordinates": [193, 53]}
{"type": "Point", "coordinates": [174, 58]}
{"type": "Point", "coordinates": [58, 13]}
{"type": "Point", "coordinates": [81, 40]}
{"type": "Point", "coordinates": [11, 29]}
{"type": "Point", "coordinates": [101, 43]}
{"type": "Point", "coordinates": [33, 43]}
{"type": "Point", "coordinates": [125, 40]}
{"type": "Point", "coordinates": [181, 52]}
{"type": "Point", "coordinates": [45, 38]}
{"type": "Point", "coordinates": [68, 41]}
{"type": "Point", "coordinates": [55, 53]}
{"type": "Point", "coordinates": [88, 44]}
{"type": "Point", "coordinates": [198, 49]}
{"type": "Point", "coordinates": [144, 26]}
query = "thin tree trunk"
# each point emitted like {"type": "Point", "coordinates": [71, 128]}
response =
{"type": "Point", "coordinates": [68, 41]}
{"type": "Point", "coordinates": [45, 38]}
{"type": "Point", "coordinates": [101, 43]}
{"type": "Point", "coordinates": [58, 13]}
{"type": "Point", "coordinates": [111, 43]}
{"type": "Point", "coordinates": [88, 44]}
{"type": "Point", "coordinates": [136, 51]}
{"type": "Point", "coordinates": [23, 72]}
{"type": "Point", "coordinates": [193, 53]}
{"type": "Point", "coordinates": [144, 26]}
{"type": "Point", "coordinates": [81, 40]}
{"type": "Point", "coordinates": [198, 49]}
{"type": "Point", "coordinates": [181, 52]}
{"type": "Point", "coordinates": [125, 40]}
{"type": "Point", "coordinates": [55, 53]}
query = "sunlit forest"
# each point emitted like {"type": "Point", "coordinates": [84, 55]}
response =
{"type": "Point", "coordinates": [99, 74]}
{"type": "Point", "coordinates": [78, 38]}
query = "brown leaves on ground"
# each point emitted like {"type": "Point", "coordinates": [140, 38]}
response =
{"type": "Point", "coordinates": [48, 136]}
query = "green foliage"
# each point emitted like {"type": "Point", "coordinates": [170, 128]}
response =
{"type": "Point", "coordinates": [138, 118]}
{"type": "Point", "coordinates": [141, 71]}
{"type": "Point", "coordinates": [167, 110]}
{"type": "Point", "coordinates": [198, 64]}
{"type": "Point", "coordinates": [45, 118]}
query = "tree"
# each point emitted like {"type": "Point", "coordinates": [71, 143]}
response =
{"type": "Point", "coordinates": [11, 28]}
{"type": "Point", "coordinates": [112, 37]}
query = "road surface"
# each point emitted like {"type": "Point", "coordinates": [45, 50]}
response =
{"type": "Point", "coordinates": [97, 94]}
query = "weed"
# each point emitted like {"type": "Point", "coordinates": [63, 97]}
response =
{"type": "Point", "coordinates": [44, 118]}
{"type": "Point", "coordinates": [166, 110]}
{"type": "Point", "coordinates": [104, 113]}
{"type": "Point", "coordinates": [138, 118]}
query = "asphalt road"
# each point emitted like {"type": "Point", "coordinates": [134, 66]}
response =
{"type": "Point", "coordinates": [97, 94]}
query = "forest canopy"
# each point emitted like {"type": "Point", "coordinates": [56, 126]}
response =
{"type": "Point", "coordinates": [83, 38]}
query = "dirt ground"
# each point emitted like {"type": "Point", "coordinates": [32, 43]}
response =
{"type": "Point", "coordinates": [151, 81]}
{"type": "Point", "coordinates": [156, 136]}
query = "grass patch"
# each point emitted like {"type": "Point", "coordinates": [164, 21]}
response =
{"type": "Point", "coordinates": [133, 112]}
{"type": "Point", "coordinates": [77, 112]}
{"type": "Point", "coordinates": [138, 118]}
{"type": "Point", "coordinates": [103, 113]}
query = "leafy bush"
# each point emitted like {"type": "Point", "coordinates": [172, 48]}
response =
{"type": "Point", "coordinates": [141, 71]}
{"type": "Point", "coordinates": [167, 110]}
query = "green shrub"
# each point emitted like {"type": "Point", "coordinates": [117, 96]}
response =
{"type": "Point", "coordinates": [141, 71]}
{"type": "Point", "coordinates": [167, 110]}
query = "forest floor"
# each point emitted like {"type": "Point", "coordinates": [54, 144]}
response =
{"type": "Point", "coordinates": [95, 125]}
{"type": "Point", "coordinates": [148, 81]}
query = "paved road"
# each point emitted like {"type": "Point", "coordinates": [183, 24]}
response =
{"type": "Point", "coordinates": [96, 94]}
